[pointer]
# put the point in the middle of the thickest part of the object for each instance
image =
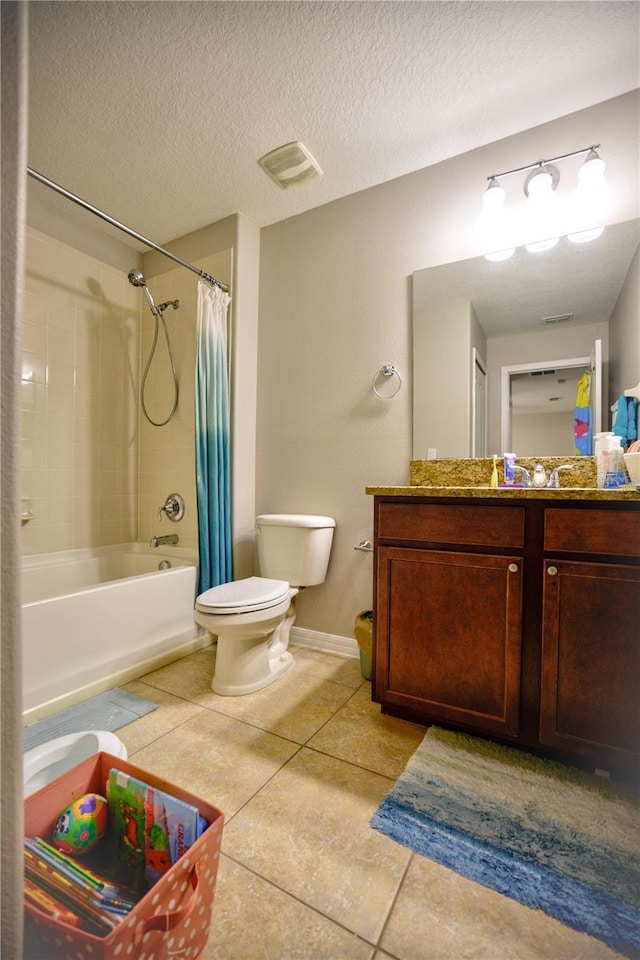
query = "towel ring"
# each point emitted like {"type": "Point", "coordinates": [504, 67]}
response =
{"type": "Point", "coordinates": [387, 370]}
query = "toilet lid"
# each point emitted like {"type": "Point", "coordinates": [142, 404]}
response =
{"type": "Point", "coordinates": [243, 596]}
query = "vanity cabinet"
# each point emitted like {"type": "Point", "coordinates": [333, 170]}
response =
{"type": "Point", "coordinates": [514, 619]}
{"type": "Point", "coordinates": [590, 682]}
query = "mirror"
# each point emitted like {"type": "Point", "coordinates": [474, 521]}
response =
{"type": "Point", "coordinates": [508, 313]}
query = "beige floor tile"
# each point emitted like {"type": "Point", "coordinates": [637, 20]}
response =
{"type": "Point", "coordinates": [308, 832]}
{"type": "Point", "coordinates": [253, 920]}
{"type": "Point", "coordinates": [216, 758]}
{"type": "Point", "coordinates": [327, 666]}
{"type": "Point", "coordinates": [440, 915]}
{"type": "Point", "coordinates": [359, 733]}
{"type": "Point", "coordinates": [171, 712]}
{"type": "Point", "coordinates": [295, 706]}
{"type": "Point", "coordinates": [189, 678]}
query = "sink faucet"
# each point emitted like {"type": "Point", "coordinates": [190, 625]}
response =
{"type": "Point", "coordinates": [554, 479]}
{"type": "Point", "coordinates": [171, 538]}
{"type": "Point", "coordinates": [526, 476]}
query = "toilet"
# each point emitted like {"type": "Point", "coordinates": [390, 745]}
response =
{"type": "Point", "coordinates": [252, 618]}
{"type": "Point", "coordinates": [44, 763]}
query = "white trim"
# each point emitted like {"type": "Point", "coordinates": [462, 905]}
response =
{"type": "Point", "coordinates": [477, 361]}
{"type": "Point", "coordinates": [505, 388]}
{"type": "Point", "coordinates": [327, 642]}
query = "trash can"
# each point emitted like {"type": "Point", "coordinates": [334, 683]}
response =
{"type": "Point", "coordinates": [363, 631]}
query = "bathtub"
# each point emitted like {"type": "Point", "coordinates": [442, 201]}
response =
{"type": "Point", "coordinates": [92, 619]}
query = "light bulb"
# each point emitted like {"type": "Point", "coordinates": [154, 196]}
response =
{"type": "Point", "coordinates": [591, 199]}
{"type": "Point", "coordinates": [492, 223]}
{"type": "Point", "coordinates": [541, 187]}
{"type": "Point", "coordinates": [542, 210]}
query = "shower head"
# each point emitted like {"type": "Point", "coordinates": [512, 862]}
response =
{"type": "Point", "coordinates": [136, 279]}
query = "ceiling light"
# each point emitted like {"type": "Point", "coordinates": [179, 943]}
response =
{"type": "Point", "coordinates": [542, 227]}
{"type": "Point", "coordinates": [290, 165]}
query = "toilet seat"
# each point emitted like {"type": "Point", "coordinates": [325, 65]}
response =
{"type": "Point", "coordinates": [243, 596]}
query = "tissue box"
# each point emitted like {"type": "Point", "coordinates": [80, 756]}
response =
{"type": "Point", "coordinates": [171, 920]}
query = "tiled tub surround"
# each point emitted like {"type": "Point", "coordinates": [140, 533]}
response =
{"type": "Point", "coordinates": [298, 769]}
{"type": "Point", "coordinates": [80, 376]}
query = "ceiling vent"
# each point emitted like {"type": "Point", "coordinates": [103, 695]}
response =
{"type": "Point", "coordinates": [290, 165]}
{"type": "Point", "coordinates": [560, 318]}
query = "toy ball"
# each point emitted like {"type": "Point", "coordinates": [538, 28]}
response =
{"type": "Point", "coordinates": [80, 825]}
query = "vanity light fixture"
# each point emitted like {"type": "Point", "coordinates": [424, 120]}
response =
{"type": "Point", "coordinates": [544, 228]}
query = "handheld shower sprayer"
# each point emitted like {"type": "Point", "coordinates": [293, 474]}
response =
{"type": "Point", "coordinates": [136, 279]}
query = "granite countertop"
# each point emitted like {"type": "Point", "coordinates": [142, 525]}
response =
{"type": "Point", "coordinates": [487, 493]}
{"type": "Point", "coordinates": [471, 478]}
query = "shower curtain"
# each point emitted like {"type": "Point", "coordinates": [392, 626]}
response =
{"type": "Point", "coordinates": [213, 470]}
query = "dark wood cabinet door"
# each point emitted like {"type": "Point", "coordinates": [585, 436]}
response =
{"type": "Point", "coordinates": [448, 631]}
{"type": "Point", "coordinates": [590, 697]}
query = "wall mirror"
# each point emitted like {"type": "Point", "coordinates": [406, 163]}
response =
{"type": "Point", "coordinates": [524, 297]}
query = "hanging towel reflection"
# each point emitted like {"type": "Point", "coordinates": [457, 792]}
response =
{"type": "Point", "coordinates": [582, 428]}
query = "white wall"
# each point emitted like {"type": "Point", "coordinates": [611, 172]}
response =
{"type": "Point", "coordinates": [335, 304]}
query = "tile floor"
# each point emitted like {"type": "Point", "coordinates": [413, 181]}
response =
{"type": "Point", "coordinates": [298, 770]}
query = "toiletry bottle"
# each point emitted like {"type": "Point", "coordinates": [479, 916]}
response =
{"type": "Point", "coordinates": [615, 471]}
{"type": "Point", "coordinates": [509, 468]}
{"type": "Point", "coordinates": [602, 445]}
{"type": "Point", "coordinates": [539, 478]}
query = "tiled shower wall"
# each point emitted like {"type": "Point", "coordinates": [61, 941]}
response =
{"type": "Point", "coordinates": [167, 454]}
{"type": "Point", "coordinates": [93, 470]}
{"type": "Point", "coordinates": [80, 374]}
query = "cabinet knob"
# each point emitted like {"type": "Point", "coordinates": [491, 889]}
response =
{"type": "Point", "coordinates": [513, 568]}
{"type": "Point", "coordinates": [552, 571]}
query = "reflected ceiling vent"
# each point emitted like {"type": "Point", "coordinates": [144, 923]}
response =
{"type": "Point", "coordinates": [290, 165]}
{"type": "Point", "coordinates": [560, 318]}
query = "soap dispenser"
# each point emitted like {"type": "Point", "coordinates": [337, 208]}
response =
{"type": "Point", "coordinates": [539, 478]}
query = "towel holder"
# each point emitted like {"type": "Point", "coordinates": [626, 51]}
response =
{"type": "Point", "coordinates": [387, 370]}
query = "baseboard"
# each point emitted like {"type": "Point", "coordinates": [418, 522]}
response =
{"type": "Point", "coordinates": [115, 679]}
{"type": "Point", "coordinates": [327, 642]}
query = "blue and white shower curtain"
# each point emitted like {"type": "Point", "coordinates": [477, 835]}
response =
{"type": "Point", "coordinates": [213, 459]}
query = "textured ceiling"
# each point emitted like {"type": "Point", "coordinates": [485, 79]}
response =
{"type": "Point", "coordinates": [158, 111]}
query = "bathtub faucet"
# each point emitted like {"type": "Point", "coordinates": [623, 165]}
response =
{"type": "Point", "coordinates": [171, 538]}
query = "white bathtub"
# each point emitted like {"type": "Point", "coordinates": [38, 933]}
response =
{"type": "Point", "coordinates": [94, 618]}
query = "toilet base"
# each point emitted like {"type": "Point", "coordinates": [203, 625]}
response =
{"type": "Point", "coordinates": [250, 675]}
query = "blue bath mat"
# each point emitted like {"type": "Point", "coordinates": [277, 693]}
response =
{"type": "Point", "coordinates": [551, 837]}
{"type": "Point", "coordinates": [108, 711]}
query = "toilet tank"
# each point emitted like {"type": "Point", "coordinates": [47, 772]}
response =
{"type": "Point", "coordinates": [294, 547]}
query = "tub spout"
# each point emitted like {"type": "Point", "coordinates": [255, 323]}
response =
{"type": "Point", "coordinates": [171, 538]}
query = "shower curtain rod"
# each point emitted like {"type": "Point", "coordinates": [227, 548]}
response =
{"type": "Point", "coordinates": [121, 226]}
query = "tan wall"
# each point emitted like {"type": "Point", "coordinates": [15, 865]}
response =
{"type": "Point", "coordinates": [561, 343]}
{"type": "Point", "coordinates": [625, 335]}
{"type": "Point", "coordinates": [79, 454]}
{"type": "Point", "coordinates": [335, 304]}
